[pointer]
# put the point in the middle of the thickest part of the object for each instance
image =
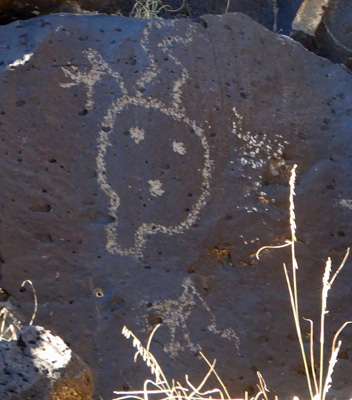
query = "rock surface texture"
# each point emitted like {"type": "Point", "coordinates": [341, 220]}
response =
{"type": "Point", "coordinates": [39, 366]}
{"type": "Point", "coordinates": [325, 26]}
{"type": "Point", "coordinates": [143, 165]}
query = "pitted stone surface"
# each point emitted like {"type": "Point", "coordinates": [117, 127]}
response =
{"type": "Point", "coordinates": [143, 165]}
{"type": "Point", "coordinates": [40, 366]}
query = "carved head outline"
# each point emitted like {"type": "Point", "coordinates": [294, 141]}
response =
{"type": "Point", "coordinates": [143, 177]}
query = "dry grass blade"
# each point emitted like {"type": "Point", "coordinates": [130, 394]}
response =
{"type": "Point", "coordinates": [150, 9]}
{"type": "Point", "coordinates": [3, 330]}
{"type": "Point", "coordinates": [311, 347]}
{"type": "Point", "coordinates": [323, 386]}
{"type": "Point", "coordinates": [35, 300]}
{"type": "Point", "coordinates": [161, 386]}
{"type": "Point", "coordinates": [5, 314]}
{"type": "Point", "coordinates": [170, 390]}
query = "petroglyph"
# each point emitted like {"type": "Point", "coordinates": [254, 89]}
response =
{"type": "Point", "coordinates": [256, 148]}
{"type": "Point", "coordinates": [137, 134]}
{"type": "Point", "coordinates": [346, 203]}
{"type": "Point", "coordinates": [155, 188]}
{"type": "Point", "coordinates": [179, 148]}
{"type": "Point", "coordinates": [20, 61]}
{"type": "Point", "coordinates": [113, 136]}
{"type": "Point", "coordinates": [176, 313]}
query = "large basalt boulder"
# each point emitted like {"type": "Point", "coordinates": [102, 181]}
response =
{"type": "Point", "coordinates": [40, 366]}
{"type": "Point", "coordinates": [143, 165]}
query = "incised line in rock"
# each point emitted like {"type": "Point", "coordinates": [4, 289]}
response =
{"type": "Point", "coordinates": [175, 111]}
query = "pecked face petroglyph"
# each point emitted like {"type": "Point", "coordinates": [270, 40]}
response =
{"type": "Point", "coordinates": [137, 173]}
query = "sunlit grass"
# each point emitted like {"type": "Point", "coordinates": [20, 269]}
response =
{"type": "Point", "coordinates": [160, 388]}
{"type": "Point", "coordinates": [7, 330]}
{"type": "Point", "coordinates": [151, 9]}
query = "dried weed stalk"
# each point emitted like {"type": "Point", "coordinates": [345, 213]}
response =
{"type": "Point", "coordinates": [321, 387]}
{"type": "Point", "coordinates": [151, 9]}
{"type": "Point", "coordinates": [162, 389]}
{"type": "Point", "coordinates": [318, 388]}
{"type": "Point", "coordinates": [8, 332]}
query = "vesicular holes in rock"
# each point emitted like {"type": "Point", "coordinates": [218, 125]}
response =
{"type": "Point", "coordinates": [343, 355]}
{"type": "Point", "coordinates": [83, 112]}
{"type": "Point", "coordinates": [116, 304]}
{"type": "Point", "coordinates": [44, 237]}
{"type": "Point", "coordinates": [263, 339]}
{"type": "Point", "coordinates": [155, 320]}
{"type": "Point", "coordinates": [98, 292]}
{"type": "Point", "coordinates": [40, 208]}
{"type": "Point", "coordinates": [20, 103]}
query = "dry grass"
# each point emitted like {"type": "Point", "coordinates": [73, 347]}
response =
{"type": "Point", "coordinates": [317, 388]}
{"type": "Point", "coordinates": [150, 9]}
{"type": "Point", "coordinates": [160, 388]}
{"type": "Point", "coordinates": [163, 389]}
{"type": "Point", "coordinates": [7, 329]}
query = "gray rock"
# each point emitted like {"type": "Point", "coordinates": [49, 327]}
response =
{"type": "Point", "coordinates": [325, 27]}
{"type": "Point", "coordinates": [40, 366]}
{"type": "Point", "coordinates": [143, 165]}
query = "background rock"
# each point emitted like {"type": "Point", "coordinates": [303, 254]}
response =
{"type": "Point", "coordinates": [286, 12]}
{"type": "Point", "coordinates": [325, 27]}
{"type": "Point", "coordinates": [143, 165]}
{"type": "Point", "coordinates": [276, 15]}
{"type": "Point", "coordinates": [40, 366]}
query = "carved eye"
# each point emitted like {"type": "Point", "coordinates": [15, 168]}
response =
{"type": "Point", "coordinates": [178, 147]}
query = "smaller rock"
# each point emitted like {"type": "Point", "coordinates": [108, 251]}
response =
{"type": "Point", "coordinates": [309, 16]}
{"type": "Point", "coordinates": [40, 366]}
{"type": "Point", "coordinates": [324, 27]}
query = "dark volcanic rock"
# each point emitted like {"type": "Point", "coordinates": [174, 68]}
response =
{"type": "Point", "coordinates": [286, 12]}
{"type": "Point", "coordinates": [13, 10]}
{"type": "Point", "coordinates": [40, 366]}
{"type": "Point", "coordinates": [261, 11]}
{"type": "Point", "coordinates": [143, 165]}
{"type": "Point", "coordinates": [325, 27]}
{"type": "Point", "coordinates": [275, 15]}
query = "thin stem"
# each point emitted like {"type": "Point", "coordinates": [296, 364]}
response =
{"type": "Point", "coordinates": [312, 354]}
{"type": "Point", "coordinates": [298, 329]}
{"type": "Point", "coordinates": [294, 302]}
{"type": "Point", "coordinates": [35, 300]}
{"type": "Point", "coordinates": [324, 297]}
{"type": "Point", "coordinates": [341, 266]}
